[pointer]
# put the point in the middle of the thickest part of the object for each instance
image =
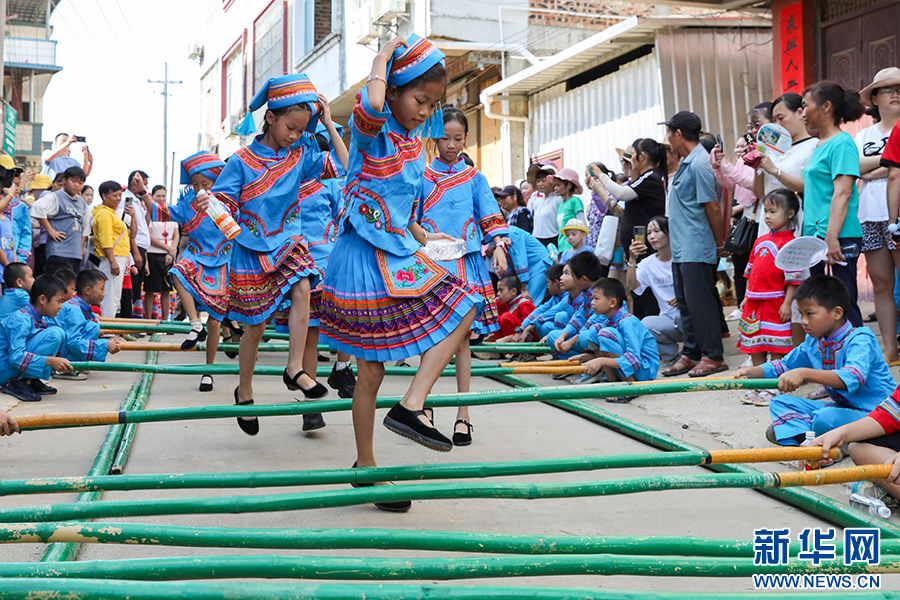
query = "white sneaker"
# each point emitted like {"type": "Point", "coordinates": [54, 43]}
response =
{"type": "Point", "coordinates": [748, 362]}
{"type": "Point", "coordinates": [734, 315]}
{"type": "Point", "coordinates": [72, 376]}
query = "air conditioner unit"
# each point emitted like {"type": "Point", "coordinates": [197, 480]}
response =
{"type": "Point", "coordinates": [387, 10]}
{"type": "Point", "coordinates": [195, 51]}
{"type": "Point", "coordinates": [362, 27]}
{"type": "Point", "coordinates": [231, 124]}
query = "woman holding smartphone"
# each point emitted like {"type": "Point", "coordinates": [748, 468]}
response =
{"type": "Point", "coordinates": [645, 196]}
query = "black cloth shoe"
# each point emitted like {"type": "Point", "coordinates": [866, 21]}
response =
{"type": "Point", "coordinates": [399, 506]}
{"type": "Point", "coordinates": [193, 338]}
{"type": "Point", "coordinates": [405, 422]}
{"type": "Point", "coordinates": [19, 388]}
{"type": "Point", "coordinates": [248, 425]}
{"type": "Point", "coordinates": [314, 393]}
{"type": "Point", "coordinates": [621, 399]}
{"type": "Point", "coordinates": [313, 421]}
{"type": "Point", "coordinates": [42, 388]}
{"type": "Point", "coordinates": [462, 439]}
{"type": "Point", "coordinates": [343, 381]}
{"type": "Point", "coordinates": [204, 385]}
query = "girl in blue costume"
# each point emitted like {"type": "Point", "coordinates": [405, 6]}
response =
{"type": "Point", "coordinates": [269, 265]}
{"type": "Point", "coordinates": [459, 202]}
{"type": "Point", "coordinates": [383, 299]}
{"type": "Point", "coordinates": [200, 276]}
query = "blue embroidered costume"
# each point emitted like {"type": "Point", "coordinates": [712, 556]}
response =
{"type": "Point", "coordinates": [26, 340]}
{"type": "Point", "coordinates": [855, 355]}
{"type": "Point", "coordinates": [529, 261]}
{"type": "Point", "coordinates": [383, 299]}
{"type": "Point", "coordinates": [82, 328]}
{"type": "Point", "coordinates": [625, 337]}
{"type": "Point", "coordinates": [459, 202]}
{"type": "Point", "coordinates": [259, 186]}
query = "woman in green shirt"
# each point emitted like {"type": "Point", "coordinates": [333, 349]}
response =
{"type": "Point", "coordinates": [567, 187]}
{"type": "Point", "coordinates": [831, 201]}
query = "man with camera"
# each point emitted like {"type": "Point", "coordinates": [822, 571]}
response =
{"type": "Point", "coordinates": [59, 158]}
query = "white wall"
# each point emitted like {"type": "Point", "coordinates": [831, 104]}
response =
{"type": "Point", "coordinates": [591, 121]}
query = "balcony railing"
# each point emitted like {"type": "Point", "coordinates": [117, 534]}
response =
{"type": "Point", "coordinates": [31, 53]}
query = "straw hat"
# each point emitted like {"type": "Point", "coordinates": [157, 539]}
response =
{"type": "Point", "coordinates": [545, 167]}
{"type": "Point", "coordinates": [575, 224]}
{"type": "Point", "coordinates": [41, 182]}
{"type": "Point", "coordinates": [571, 176]}
{"type": "Point", "coordinates": [627, 154]}
{"type": "Point", "coordinates": [884, 77]}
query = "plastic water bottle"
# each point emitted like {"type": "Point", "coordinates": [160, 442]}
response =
{"type": "Point", "coordinates": [809, 465]}
{"type": "Point", "coordinates": [873, 506]}
{"type": "Point", "coordinates": [220, 216]}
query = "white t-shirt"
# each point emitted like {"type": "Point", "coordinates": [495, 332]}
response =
{"type": "Point", "coordinates": [544, 209]}
{"type": "Point", "coordinates": [142, 238]}
{"type": "Point", "coordinates": [164, 231]}
{"type": "Point", "coordinates": [657, 275]}
{"type": "Point", "coordinates": [872, 194]}
{"type": "Point", "coordinates": [792, 163]}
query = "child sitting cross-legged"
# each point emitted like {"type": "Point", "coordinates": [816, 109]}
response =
{"type": "Point", "coordinates": [80, 322]}
{"type": "Point", "coordinates": [620, 345]}
{"type": "Point", "coordinates": [29, 344]}
{"type": "Point", "coordinates": [846, 360]}
{"type": "Point", "coordinates": [17, 278]}
{"type": "Point", "coordinates": [579, 275]}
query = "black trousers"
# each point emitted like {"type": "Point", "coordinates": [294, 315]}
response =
{"type": "Point", "coordinates": [701, 312]}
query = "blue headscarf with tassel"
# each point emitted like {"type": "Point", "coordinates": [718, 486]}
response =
{"type": "Point", "coordinates": [408, 64]}
{"type": "Point", "coordinates": [279, 92]}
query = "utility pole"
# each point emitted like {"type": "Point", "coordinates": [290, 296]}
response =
{"type": "Point", "coordinates": [165, 93]}
{"type": "Point", "coordinates": [3, 44]}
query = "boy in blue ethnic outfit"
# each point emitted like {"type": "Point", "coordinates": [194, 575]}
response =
{"type": "Point", "coordinates": [620, 345]}
{"type": "Point", "coordinates": [80, 322]}
{"type": "Point", "coordinates": [529, 261]}
{"type": "Point", "coordinates": [458, 201]}
{"type": "Point", "coordinates": [29, 345]}
{"type": "Point", "coordinates": [383, 298]}
{"type": "Point", "coordinates": [579, 275]}
{"type": "Point", "coordinates": [17, 279]}
{"type": "Point", "coordinates": [270, 266]}
{"type": "Point", "coordinates": [846, 360]}
{"type": "Point", "coordinates": [557, 299]}
{"type": "Point", "coordinates": [200, 276]}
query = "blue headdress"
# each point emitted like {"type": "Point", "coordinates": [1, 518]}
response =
{"type": "Point", "coordinates": [323, 131]}
{"type": "Point", "coordinates": [410, 63]}
{"type": "Point", "coordinates": [279, 92]}
{"type": "Point", "coordinates": [202, 162]}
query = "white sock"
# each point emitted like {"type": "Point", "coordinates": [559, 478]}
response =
{"type": "Point", "coordinates": [196, 325]}
{"type": "Point", "coordinates": [340, 366]}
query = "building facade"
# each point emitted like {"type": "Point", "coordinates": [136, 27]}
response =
{"type": "Point", "coordinates": [29, 58]}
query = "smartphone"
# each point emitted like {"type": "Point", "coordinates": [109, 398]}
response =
{"type": "Point", "coordinates": [591, 170]}
{"type": "Point", "coordinates": [128, 201]}
{"type": "Point", "coordinates": [720, 141]}
{"type": "Point", "coordinates": [640, 234]}
{"type": "Point", "coordinates": [850, 250]}
{"type": "Point", "coordinates": [80, 138]}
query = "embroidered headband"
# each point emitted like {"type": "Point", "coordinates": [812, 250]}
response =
{"type": "Point", "coordinates": [203, 162]}
{"type": "Point", "coordinates": [278, 92]}
{"type": "Point", "coordinates": [408, 64]}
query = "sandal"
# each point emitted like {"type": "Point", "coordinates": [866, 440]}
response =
{"type": "Point", "coordinates": [249, 425]}
{"type": "Point", "coordinates": [750, 396]}
{"type": "Point", "coordinates": [405, 422]}
{"type": "Point", "coordinates": [681, 366]}
{"type": "Point", "coordinates": [206, 386]}
{"type": "Point", "coordinates": [398, 506]}
{"type": "Point", "coordinates": [314, 393]}
{"type": "Point", "coordinates": [763, 398]}
{"type": "Point", "coordinates": [462, 439]}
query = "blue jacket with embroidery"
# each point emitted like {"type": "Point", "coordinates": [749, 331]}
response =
{"type": "Point", "coordinates": [82, 329]}
{"type": "Point", "coordinates": [640, 356]}
{"type": "Point", "coordinates": [583, 312]}
{"type": "Point", "coordinates": [459, 202]}
{"type": "Point", "coordinates": [260, 186]}
{"type": "Point", "coordinates": [206, 244]}
{"type": "Point", "coordinates": [320, 205]}
{"type": "Point", "coordinates": [545, 309]}
{"type": "Point", "coordinates": [13, 299]}
{"type": "Point", "coordinates": [384, 179]}
{"type": "Point", "coordinates": [854, 354]}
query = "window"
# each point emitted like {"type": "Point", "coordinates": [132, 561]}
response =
{"type": "Point", "coordinates": [312, 24]}
{"type": "Point", "coordinates": [233, 85]}
{"type": "Point", "coordinates": [269, 58]}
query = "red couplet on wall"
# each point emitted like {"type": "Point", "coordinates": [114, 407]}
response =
{"type": "Point", "coordinates": [790, 26]}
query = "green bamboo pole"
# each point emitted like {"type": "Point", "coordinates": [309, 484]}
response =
{"type": "Point", "coordinates": [481, 398]}
{"type": "Point", "coordinates": [428, 491]}
{"type": "Point", "coordinates": [130, 430]}
{"type": "Point", "coordinates": [176, 327]}
{"type": "Point", "coordinates": [271, 370]}
{"type": "Point", "coordinates": [386, 539]}
{"type": "Point", "coordinates": [102, 463]}
{"type": "Point", "coordinates": [369, 568]}
{"type": "Point", "coordinates": [169, 481]}
{"type": "Point", "coordinates": [87, 589]}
